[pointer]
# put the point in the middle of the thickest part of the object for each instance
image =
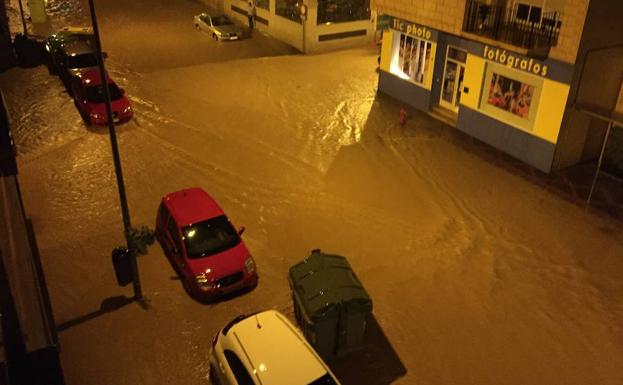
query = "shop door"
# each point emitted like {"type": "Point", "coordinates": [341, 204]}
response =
{"type": "Point", "coordinates": [452, 85]}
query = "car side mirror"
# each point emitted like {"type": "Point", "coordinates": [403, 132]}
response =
{"type": "Point", "coordinates": [241, 230]}
{"type": "Point", "coordinates": [104, 55]}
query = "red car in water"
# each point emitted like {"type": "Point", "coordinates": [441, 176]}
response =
{"type": "Point", "coordinates": [203, 246]}
{"type": "Point", "coordinates": [88, 94]}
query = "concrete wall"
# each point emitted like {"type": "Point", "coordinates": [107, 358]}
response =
{"type": "Point", "coordinates": [619, 107]}
{"type": "Point", "coordinates": [286, 30]}
{"type": "Point", "coordinates": [7, 58]}
{"type": "Point", "coordinates": [447, 15]}
{"type": "Point", "coordinates": [571, 139]}
{"type": "Point", "coordinates": [17, 256]}
{"type": "Point", "coordinates": [291, 32]}
{"type": "Point", "coordinates": [596, 80]}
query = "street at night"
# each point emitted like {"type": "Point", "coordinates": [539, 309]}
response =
{"type": "Point", "coordinates": [477, 275]}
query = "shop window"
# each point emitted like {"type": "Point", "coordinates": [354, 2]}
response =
{"type": "Point", "coordinates": [264, 4]}
{"type": "Point", "coordinates": [457, 54]}
{"type": "Point", "coordinates": [288, 9]}
{"type": "Point", "coordinates": [339, 11]}
{"type": "Point", "coordinates": [411, 58]}
{"type": "Point", "coordinates": [511, 96]}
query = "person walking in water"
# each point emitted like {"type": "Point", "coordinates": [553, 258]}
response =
{"type": "Point", "coordinates": [251, 14]}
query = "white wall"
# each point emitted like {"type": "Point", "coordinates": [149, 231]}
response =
{"type": "Point", "coordinates": [291, 32]}
{"type": "Point", "coordinates": [287, 30]}
{"type": "Point", "coordinates": [314, 30]}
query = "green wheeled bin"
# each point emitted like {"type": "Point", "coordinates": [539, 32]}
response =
{"type": "Point", "coordinates": [330, 304]}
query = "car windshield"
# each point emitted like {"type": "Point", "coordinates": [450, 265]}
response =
{"type": "Point", "coordinates": [86, 37]}
{"type": "Point", "coordinates": [220, 20]}
{"type": "Point", "coordinates": [210, 237]}
{"type": "Point", "coordinates": [81, 61]}
{"type": "Point", "coordinates": [324, 380]}
{"type": "Point", "coordinates": [95, 94]}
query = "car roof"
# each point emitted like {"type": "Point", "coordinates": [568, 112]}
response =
{"type": "Point", "coordinates": [275, 351]}
{"type": "Point", "coordinates": [191, 205]}
{"type": "Point", "coordinates": [68, 31]}
{"type": "Point", "coordinates": [78, 47]}
{"type": "Point", "coordinates": [93, 78]}
{"type": "Point", "coordinates": [218, 15]}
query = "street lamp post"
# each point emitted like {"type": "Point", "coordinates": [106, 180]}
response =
{"type": "Point", "coordinates": [125, 212]}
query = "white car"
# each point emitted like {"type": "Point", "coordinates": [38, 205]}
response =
{"type": "Point", "coordinates": [265, 348]}
{"type": "Point", "coordinates": [219, 26]}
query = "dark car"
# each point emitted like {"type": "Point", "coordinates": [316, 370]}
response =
{"type": "Point", "coordinates": [203, 246]}
{"type": "Point", "coordinates": [74, 58]}
{"type": "Point", "coordinates": [65, 36]}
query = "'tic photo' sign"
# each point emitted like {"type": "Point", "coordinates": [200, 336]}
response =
{"type": "Point", "coordinates": [413, 29]}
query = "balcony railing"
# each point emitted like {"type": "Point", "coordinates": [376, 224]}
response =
{"type": "Point", "coordinates": [533, 30]}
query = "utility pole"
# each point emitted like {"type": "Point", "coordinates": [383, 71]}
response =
{"type": "Point", "coordinates": [125, 212]}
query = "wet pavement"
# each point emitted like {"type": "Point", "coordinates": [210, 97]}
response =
{"type": "Point", "coordinates": [478, 275]}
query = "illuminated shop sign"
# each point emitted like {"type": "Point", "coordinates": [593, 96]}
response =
{"type": "Point", "coordinates": [513, 61]}
{"type": "Point", "coordinates": [411, 29]}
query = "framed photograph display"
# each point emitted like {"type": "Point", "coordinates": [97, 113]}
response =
{"type": "Point", "coordinates": [510, 96]}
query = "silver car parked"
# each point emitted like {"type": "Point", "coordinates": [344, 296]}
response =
{"type": "Point", "coordinates": [219, 26]}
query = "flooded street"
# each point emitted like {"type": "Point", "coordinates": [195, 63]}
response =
{"type": "Point", "coordinates": [477, 276]}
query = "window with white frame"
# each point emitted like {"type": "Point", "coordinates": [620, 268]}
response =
{"type": "Point", "coordinates": [511, 96]}
{"type": "Point", "coordinates": [411, 58]}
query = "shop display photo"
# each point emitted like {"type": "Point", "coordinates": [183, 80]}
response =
{"type": "Point", "coordinates": [510, 95]}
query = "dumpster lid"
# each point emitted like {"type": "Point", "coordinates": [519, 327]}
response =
{"type": "Point", "coordinates": [325, 282]}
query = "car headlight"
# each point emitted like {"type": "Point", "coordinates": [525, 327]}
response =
{"type": "Point", "coordinates": [203, 282]}
{"type": "Point", "coordinates": [249, 265]}
{"type": "Point", "coordinates": [95, 116]}
{"type": "Point", "coordinates": [47, 47]}
{"type": "Point", "coordinates": [127, 109]}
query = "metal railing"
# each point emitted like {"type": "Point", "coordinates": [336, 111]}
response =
{"type": "Point", "coordinates": [535, 30]}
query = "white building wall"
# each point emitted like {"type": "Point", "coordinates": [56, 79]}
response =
{"type": "Point", "coordinates": [291, 32]}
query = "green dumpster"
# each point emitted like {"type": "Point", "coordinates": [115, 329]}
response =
{"type": "Point", "coordinates": [330, 304]}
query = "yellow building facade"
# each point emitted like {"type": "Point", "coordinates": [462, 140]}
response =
{"type": "Point", "coordinates": [499, 71]}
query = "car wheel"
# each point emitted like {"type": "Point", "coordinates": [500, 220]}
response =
{"type": "Point", "coordinates": [214, 37]}
{"type": "Point", "coordinates": [187, 287]}
{"type": "Point", "coordinates": [51, 67]}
